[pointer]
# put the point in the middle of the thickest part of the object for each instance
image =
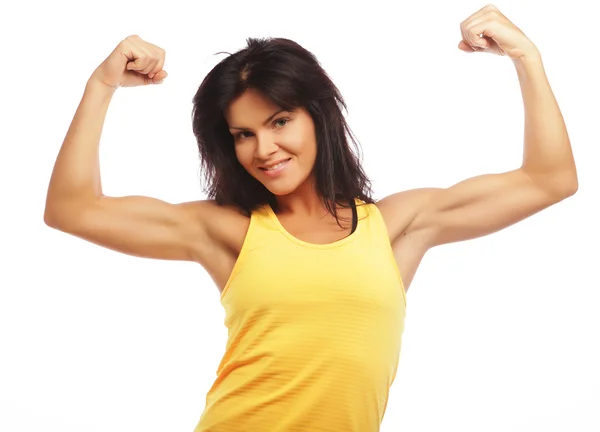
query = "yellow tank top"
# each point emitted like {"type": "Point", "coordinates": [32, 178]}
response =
{"type": "Point", "coordinates": [314, 331]}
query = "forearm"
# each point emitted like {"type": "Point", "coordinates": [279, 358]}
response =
{"type": "Point", "coordinates": [547, 149]}
{"type": "Point", "coordinates": [76, 174]}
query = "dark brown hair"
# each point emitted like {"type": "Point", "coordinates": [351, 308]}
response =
{"type": "Point", "coordinates": [290, 76]}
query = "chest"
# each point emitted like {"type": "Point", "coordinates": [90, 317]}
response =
{"type": "Point", "coordinates": [289, 278]}
{"type": "Point", "coordinates": [318, 231]}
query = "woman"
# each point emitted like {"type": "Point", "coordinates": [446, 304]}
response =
{"type": "Point", "coordinates": [315, 308]}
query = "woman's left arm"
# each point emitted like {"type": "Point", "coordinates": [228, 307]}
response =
{"type": "Point", "coordinates": [485, 204]}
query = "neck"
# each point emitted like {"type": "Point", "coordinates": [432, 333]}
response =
{"type": "Point", "coordinates": [304, 201]}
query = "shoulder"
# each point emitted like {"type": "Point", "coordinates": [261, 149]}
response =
{"type": "Point", "coordinates": [225, 226]}
{"type": "Point", "coordinates": [399, 210]}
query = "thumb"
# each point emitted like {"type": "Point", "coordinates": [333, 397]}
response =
{"type": "Point", "coordinates": [132, 65]}
{"type": "Point", "coordinates": [463, 46]}
{"type": "Point", "coordinates": [159, 77]}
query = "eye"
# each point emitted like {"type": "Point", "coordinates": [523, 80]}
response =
{"type": "Point", "coordinates": [240, 136]}
{"type": "Point", "coordinates": [282, 119]}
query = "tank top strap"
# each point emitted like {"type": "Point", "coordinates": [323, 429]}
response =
{"type": "Point", "coordinates": [369, 222]}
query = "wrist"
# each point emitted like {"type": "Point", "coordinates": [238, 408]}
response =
{"type": "Point", "coordinates": [529, 56]}
{"type": "Point", "coordinates": [96, 84]}
{"type": "Point", "coordinates": [99, 92]}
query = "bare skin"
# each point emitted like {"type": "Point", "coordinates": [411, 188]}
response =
{"type": "Point", "coordinates": [228, 240]}
{"type": "Point", "coordinates": [211, 235]}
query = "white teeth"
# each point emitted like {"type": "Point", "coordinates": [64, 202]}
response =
{"type": "Point", "coordinates": [274, 167]}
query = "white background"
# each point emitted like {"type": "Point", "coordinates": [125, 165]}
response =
{"type": "Point", "coordinates": [502, 333]}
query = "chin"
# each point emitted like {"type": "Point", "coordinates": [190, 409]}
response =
{"type": "Point", "coordinates": [290, 185]}
{"type": "Point", "coordinates": [280, 190]}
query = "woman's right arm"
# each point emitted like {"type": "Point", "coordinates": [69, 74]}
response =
{"type": "Point", "coordinates": [135, 225]}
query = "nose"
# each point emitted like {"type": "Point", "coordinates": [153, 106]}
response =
{"type": "Point", "coordinates": [265, 146]}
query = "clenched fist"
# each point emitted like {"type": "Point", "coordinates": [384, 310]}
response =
{"type": "Point", "coordinates": [133, 62]}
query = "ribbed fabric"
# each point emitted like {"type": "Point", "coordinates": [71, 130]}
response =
{"type": "Point", "coordinates": [314, 331]}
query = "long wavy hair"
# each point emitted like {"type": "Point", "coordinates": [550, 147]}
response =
{"type": "Point", "coordinates": [291, 77]}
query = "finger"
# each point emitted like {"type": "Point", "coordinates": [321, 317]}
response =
{"type": "Point", "coordinates": [463, 46]}
{"type": "Point", "coordinates": [159, 66]}
{"type": "Point", "coordinates": [150, 66]}
{"type": "Point", "coordinates": [139, 63]}
{"type": "Point", "coordinates": [151, 60]}
{"type": "Point", "coordinates": [159, 77]}
{"type": "Point", "coordinates": [142, 57]}
{"type": "Point", "coordinates": [486, 13]}
{"type": "Point", "coordinates": [467, 22]}
{"type": "Point", "coordinates": [478, 33]}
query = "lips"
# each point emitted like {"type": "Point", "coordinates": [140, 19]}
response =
{"type": "Point", "coordinates": [265, 167]}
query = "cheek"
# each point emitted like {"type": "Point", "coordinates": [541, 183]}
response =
{"type": "Point", "coordinates": [310, 150]}
{"type": "Point", "coordinates": [303, 144]}
{"type": "Point", "coordinates": [242, 155]}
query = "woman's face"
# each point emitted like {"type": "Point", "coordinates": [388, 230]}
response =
{"type": "Point", "coordinates": [264, 135]}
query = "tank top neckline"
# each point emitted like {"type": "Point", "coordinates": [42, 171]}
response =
{"type": "Point", "coordinates": [335, 244]}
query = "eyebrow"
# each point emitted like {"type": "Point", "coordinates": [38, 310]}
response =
{"type": "Point", "coordinates": [264, 123]}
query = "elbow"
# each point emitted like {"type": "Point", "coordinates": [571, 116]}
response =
{"type": "Point", "coordinates": [573, 188]}
{"type": "Point", "coordinates": [570, 181]}
{"type": "Point", "coordinates": [560, 186]}
{"type": "Point", "coordinates": [566, 187]}
{"type": "Point", "coordinates": [57, 217]}
{"type": "Point", "coordinates": [61, 213]}
{"type": "Point", "coordinates": [570, 184]}
{"type": "Point", "coordinates": [48, 220]}
{"type": "Point", "coordinates": [49, 215]}
{"type": "Point", "coordinates": [51, 220]}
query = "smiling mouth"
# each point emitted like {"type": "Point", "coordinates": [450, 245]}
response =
{"type": "Point", "coordinates": [276, 167]}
